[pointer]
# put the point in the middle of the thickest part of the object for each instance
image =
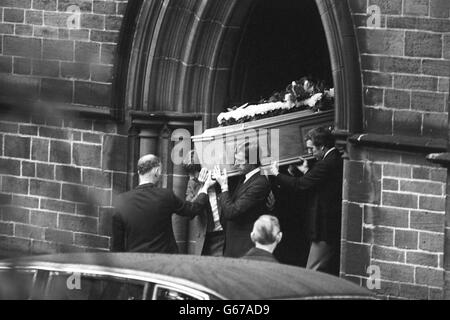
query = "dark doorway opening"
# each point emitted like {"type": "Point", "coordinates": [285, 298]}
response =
{"type": "Point", "coordinates": [283, 40]}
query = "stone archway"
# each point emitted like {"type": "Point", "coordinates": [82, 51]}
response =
{"type": "Point", "coordinates": [181, 58]}
{"type": "Point", "coordinates": [182, 55]}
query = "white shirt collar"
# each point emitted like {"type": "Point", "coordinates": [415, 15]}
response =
{"type": "Point", "coordinates": [251, 174]}
{"type": "Point", "coordinates": [328, 152]}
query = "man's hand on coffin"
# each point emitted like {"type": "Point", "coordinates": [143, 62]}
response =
{"type": "Point", "coordinates": [304, 168]}
{"type": "Point", "coordinates": [206, 178]}
{"type": "Point", "coordinates": [274, 169]}
{"type": "Point", "coordinates": [203, 175]}
{"type": "Point", "coordinates": [221, 178]}
{"type": "Point", "coordinates": [292, 170]}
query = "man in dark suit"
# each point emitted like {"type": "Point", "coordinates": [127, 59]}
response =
{"type": "Point", "coordinates": [294, 248]}
{"type": "Point", "coordinates": [142, 220]}
{"type": "Point", "coordinates": [240, 210]}
{"type": "Point", "coordinates": [206, 234]}
{"type": "Point", "coordinates": [266, 235]}
{"type": "Point", "coordinates": [323, 211]}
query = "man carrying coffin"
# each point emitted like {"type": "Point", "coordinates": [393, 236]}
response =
{"type": "Point", "coordinates": [205, 229]}
{"type": "Point", "coordinates": [239, 210]}
{"type": "Point", "coordinates": [324, 205]}
{"type": "Point", "coordinates": [142, 219]}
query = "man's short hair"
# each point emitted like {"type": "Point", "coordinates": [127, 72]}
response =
{"type": "Point", "coordinates": [191, 162]}
{"type": "Point", "coordinates": [148, 163]}
{"type": "Point", "coordinates": [266, 230]}
{"type": "Point", "coordinates": [321, 137]}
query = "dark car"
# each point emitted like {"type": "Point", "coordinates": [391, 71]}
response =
{"type": "Point", "coordinates": [132, 276]}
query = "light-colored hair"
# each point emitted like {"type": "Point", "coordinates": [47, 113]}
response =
{"type": "Point", "coordinates": [266, 230]}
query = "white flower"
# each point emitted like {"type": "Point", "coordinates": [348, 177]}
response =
{"type": "Point", "coordinates": [330, 93]}
{"type": "Point", "coordinates": [311, 102]}
{"type": "Point", "coordinates": [247, 110]}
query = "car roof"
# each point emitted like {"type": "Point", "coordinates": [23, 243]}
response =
{"type": "Point", "coordinates": [230, 278]}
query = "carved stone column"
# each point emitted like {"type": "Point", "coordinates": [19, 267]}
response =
{"type": "Point", "coordinates": [148, 141]}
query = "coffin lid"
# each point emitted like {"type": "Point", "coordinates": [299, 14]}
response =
{"type": "Point", "coordinates": [267, 123]}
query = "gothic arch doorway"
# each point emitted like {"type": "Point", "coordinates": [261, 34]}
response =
{"type": "Point", "coordinates": [182, 56]}
{"type": "Point", "coordinates": [182, 61]}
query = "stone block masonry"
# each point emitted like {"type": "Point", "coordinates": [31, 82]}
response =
{"type": "Point", "coordinates": [58, 183]}
{"type": "Point", "coordinates": [401, 225]}
{"type": "Point", "coordinates": [402, 206]}
{"type": "Point", "coordinates": [404, 61]}
{"type": "Point", "coordinates": [60, 62]}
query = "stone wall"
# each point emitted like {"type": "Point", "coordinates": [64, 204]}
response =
{"type": "Point", "coordinates": [43, 56]}
{"type": "Point", "coordinates": [395, 201]}
{"type": "Point", "coordinates": [59, 170]}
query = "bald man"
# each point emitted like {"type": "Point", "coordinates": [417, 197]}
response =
{"type": "Point", "coordinates": [142, 219]}
{"type": "Point", "coordinates": [266, 235]}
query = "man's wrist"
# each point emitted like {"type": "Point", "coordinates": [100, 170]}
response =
{"type": "Point", "coordinates": [204, 189]}
{"type": "Point", "coordinates": [224, 187]}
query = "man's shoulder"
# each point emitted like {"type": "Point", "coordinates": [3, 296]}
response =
{"type": "Point", "coordinates": [334, 158]}
{"type": "Point", "coordinates": [128, 194]}
{"type": "Point", "coordinates": [254, 252]}
{"type": "Point", "coordinates": [153, 197]}
{"type": "Point", "coordinates": [334, 155]}
{"type": "Point", "coordinates": [260, 254]}
{"type": "Point", "coordinates": [123, 198]}
{"type": "Point", "coordinates": [137, 192]}
{"type": "Point", "coordinates": [262, 179]}
{"type": "Point", "coordinates": [258, 182]}
{"type": "Point", "coordinates": [331, 159]}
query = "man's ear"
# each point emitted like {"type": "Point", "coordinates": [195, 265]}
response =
{"type": "Point", "coordinates": [156, 171]}
{"type": "Point", "coordinates": [279, 237]}
{"type": "Point", "coordinates": [252, 236]}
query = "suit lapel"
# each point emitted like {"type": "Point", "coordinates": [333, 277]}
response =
{"type": "Point", "coordinates": [244, 186]}
{"type": "Point", "coordinates": [239, 186]}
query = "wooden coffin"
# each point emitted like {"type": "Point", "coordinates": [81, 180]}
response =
{"type": "Point", "coordinates": [280, 138]}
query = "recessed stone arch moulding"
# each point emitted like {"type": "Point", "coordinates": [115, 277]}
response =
{"type": "Point", "coordinates": [183, 53]}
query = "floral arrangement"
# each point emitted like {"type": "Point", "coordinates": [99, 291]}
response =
{"type": "Point", "coordinates": [300, 95]}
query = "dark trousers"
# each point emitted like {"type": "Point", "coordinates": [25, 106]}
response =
{"type": "Point", "coordinates": [214, 244]}
{"type": "Point", "coordinates": [324, 257]}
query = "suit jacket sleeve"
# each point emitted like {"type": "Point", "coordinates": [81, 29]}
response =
{"type": "Point", "coordinates": [253, 196]}
{"type": "Point", "coordinates": [118, 233]}
{"type": "Point", "coordinates": [190, 209]}
{"type": "Point", "coordinates": [318, 174]}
